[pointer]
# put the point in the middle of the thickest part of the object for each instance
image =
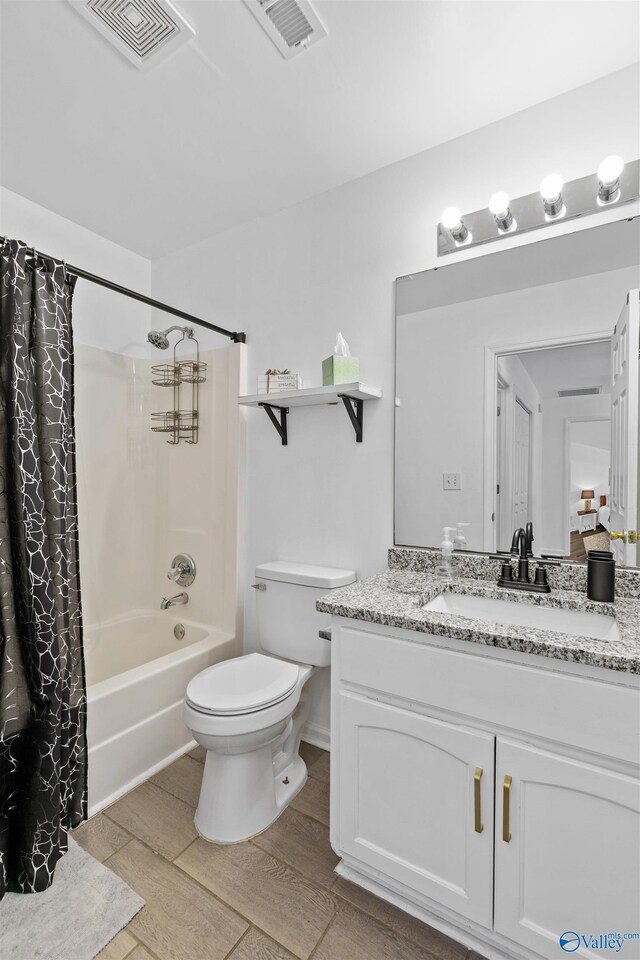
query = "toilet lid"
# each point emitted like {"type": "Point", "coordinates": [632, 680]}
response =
{"type": "Point", "coordinates": [242, 685]}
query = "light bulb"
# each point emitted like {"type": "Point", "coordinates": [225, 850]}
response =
{"type": "Point", "coordinates": [551, 186]}
{"type": "Point", "coordinates": [499, 207]}
{"type": "Point", "coordinates": [451, 218]}
{"type": "Point", "coordinates": [610, 169]}
{"type": "Point", "coordinates": [608, 183]}
{"type": "Point", "coordinates": [452, 221]}
{"type": "Point", "coordinates": [499, 203]}
{"type": "Point", "coordinates": [551, 190]}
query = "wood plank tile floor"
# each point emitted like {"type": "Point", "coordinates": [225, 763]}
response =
{"type": "Point", "coordinates": [275, 897]}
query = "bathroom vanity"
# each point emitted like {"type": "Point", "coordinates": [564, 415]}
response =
{"type": "Point", "coordinates": [485, 774]}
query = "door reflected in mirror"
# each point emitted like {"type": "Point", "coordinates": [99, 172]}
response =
{"type": "Point", "coordinates": [553, 433]}
{"type": "Point", "coordinates": [518, 374]}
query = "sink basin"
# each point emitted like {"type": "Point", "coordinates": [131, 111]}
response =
{"type": "Point", "coordinates": [575, 622]}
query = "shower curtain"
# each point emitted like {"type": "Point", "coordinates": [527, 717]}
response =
{"type": "Point", "coordinates": [43, 754]}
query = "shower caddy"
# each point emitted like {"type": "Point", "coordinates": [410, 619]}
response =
{"type": "Point", "coordinates": [181, 423]}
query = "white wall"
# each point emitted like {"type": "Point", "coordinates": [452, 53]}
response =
{"type": "Point", "coordinates": [590, 467]}
{"type": "Point", "coordinates": [101, 318]}
{"type": "Point", "coordinates": [293, 279]}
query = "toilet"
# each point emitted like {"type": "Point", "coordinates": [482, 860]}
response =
{"type": "Point", "coordinates": [248, 713]}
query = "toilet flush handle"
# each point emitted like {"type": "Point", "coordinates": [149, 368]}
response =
{"type": "Point", "coordinates": [259, 586]}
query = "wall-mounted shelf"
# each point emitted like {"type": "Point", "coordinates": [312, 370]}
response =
{"type": "Point", "coordinates": [277, 405]}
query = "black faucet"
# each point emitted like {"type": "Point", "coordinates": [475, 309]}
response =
{"type": "Point", "coordinates": [521, 546]}
{"type": "Point", "coordinates": [528, 538]}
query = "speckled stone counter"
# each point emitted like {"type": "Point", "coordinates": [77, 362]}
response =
{"type": "Point", "coordinates": [480, 566]}
{"type": "Point", "coordinates": [396, 598]}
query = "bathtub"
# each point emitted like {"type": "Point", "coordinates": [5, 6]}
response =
{"type": "Point", "coordinates": [137, 674]}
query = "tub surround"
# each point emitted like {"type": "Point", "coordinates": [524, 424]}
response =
{"type": "Point", "coordinates": [396, 599]}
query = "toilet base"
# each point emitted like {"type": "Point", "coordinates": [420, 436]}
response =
{"type": "Point", "coordinates": [255, 798]}
{"type": "Point", "coordinates": [296, 773]}
{"type": "Point", "coordinates": [242, 793]}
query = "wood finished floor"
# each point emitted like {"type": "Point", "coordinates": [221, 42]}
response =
{"type": "Point", "coordinates": [577, 546]}
{"type": "Point", "coordinates": [275, 897]}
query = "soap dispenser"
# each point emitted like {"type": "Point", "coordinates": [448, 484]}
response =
{"type": "Point", "coordinates": [444, 569]}
{"type": "Point", "coordinates": [460, 541]}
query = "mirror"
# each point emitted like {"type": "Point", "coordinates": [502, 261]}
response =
{"type": "Point", "coordinates": [517, 397]}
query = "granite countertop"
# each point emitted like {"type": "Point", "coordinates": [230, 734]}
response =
{"type": "Point", "coordinates": [396, 598]}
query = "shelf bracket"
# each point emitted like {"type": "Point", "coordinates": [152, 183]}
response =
{"type": "Point", "coordinates": [281, 426]}
{"type": "Point", "coordinates": [354, 409]}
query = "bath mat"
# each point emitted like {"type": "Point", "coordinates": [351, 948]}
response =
{"type": "Point", "coordinates": [83, 909]}
{"type": "Point", "coordinates": [597, 541]}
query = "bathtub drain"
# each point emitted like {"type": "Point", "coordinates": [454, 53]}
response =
{"type": "Point", "coordinates": [179, 631]}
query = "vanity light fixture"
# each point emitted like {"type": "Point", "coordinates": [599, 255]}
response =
{"type": "Point", "coordinates": [452, 221]}
{"type": "Point", "coordinates": [615, 184]}
{"type": "Point", "coordinates": [609, 179]}
{"type": "Point", "coordinates": [551, 191]}
{"type": "Point", "coordinates": [499, 206]}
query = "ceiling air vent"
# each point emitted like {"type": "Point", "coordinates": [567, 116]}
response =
{"type": "Point", "coordinates": [293, 25]}
{"type": "Point", "coordinates": [145, 31]}
{"type": "Point", "coordinates": [580, 392]}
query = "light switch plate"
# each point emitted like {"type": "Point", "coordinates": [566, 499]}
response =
{"type": "Point", "coordinates": [451, 481]}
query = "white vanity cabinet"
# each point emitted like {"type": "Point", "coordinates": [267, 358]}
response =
{"type": "Point", "coordinates": [496, 799]}
{"type": "Point", "coordinates": [573, 859]}
{"type": "Point", "coordinates": [408, 782]}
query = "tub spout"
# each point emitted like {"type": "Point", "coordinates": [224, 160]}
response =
{"type": "Point", "coordinates": [167, 602]}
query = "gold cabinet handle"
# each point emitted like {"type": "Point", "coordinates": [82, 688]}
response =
{"type": "Point", "coordinates": [477, 777]}
{"type": "Point", "coordinates": [506, 790]}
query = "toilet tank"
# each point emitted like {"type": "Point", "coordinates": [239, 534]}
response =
{"type": "Point", "coordinates": [288, 622]}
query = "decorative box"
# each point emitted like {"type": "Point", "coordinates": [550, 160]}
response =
{"type": "Point", "coordinates": [279, 382]}
{"type": "Point", "coordinates": [340, 370]}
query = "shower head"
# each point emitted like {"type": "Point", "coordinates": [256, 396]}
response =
{"type": "Point", "coordinates": [159, 338]}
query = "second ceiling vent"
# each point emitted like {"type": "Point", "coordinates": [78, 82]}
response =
{"type": "Point", "coordinates": [293, 25]}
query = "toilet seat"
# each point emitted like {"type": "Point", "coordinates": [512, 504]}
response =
{"type": "Point", "coordinates": [242, 685]}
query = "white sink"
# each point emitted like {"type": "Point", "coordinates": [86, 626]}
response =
{"type": "Point", "coordinates": [575, 622]}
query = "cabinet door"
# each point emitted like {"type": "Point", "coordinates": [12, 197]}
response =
{"type": "Point", "coordinates": [573, 860]}
{"type": "Point", "coordinates": [407, 802]}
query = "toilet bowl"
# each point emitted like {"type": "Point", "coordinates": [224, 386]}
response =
{"type": "Point", "coordinates": [249, 712]}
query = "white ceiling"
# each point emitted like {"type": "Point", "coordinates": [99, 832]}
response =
{"type": "Point", "coordinates": [226, 130]}
{"type": "Point", "coordinates": [570, 368]}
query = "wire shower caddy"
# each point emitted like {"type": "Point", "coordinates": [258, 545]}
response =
{"type": "Point", "coordinates": [181, 423]}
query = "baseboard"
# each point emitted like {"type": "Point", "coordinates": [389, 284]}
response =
{"type": "Point", "coordinates": [318, 736]}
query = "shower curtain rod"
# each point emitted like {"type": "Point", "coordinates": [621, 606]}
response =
{"type": "Point", "coordinates": [110, 285]}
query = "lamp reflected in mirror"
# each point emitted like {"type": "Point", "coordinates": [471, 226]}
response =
{"type": "Point", "coordinates": [587, 496]}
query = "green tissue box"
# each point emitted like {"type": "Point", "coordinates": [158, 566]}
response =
{"type": "Point", "coordinates": [340, 370]}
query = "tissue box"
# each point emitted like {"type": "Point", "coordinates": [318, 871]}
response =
{"type": "Point", "coordinates": [279, 383]}
{"type": "Point", "coordinates": [340, 370]}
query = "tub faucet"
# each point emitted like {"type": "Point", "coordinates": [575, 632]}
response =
{"type": "Point", "coordinates": [167, 602]}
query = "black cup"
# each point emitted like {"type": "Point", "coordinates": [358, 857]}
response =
{"type": "Point", "coordinates": [601, 576]}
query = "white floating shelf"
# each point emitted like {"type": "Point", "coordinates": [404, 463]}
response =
{"type": "Point", "coordinates": [311, 396]}
{"type": "Point", "coordinates": [352, 396]}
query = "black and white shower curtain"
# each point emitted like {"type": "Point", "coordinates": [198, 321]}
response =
{"type": "Point", "coordinates": [43, 754]}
